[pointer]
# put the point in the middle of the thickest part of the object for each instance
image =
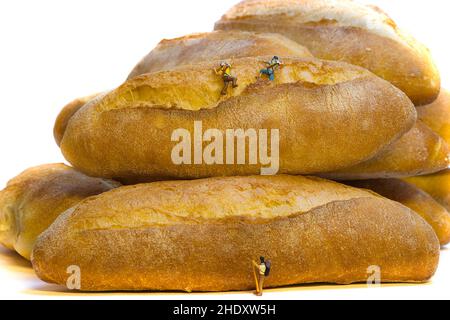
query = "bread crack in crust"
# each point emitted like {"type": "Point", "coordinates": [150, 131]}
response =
{"type": "Point", "coordinates": [197, 87]}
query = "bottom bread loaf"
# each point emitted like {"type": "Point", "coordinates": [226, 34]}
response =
{"type": "Point", "coordinates": [203, 235]}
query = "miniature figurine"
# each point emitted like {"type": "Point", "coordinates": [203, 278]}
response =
{"type": "Point", "coordinates": [263, 269]}
{"type": "Point", "coordinates": [272, 65]}
{"type": "Point", "coordinates": [225, 71]}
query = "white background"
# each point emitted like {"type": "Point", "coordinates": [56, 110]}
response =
{"type": "Point", "coordinates": [53, 51]}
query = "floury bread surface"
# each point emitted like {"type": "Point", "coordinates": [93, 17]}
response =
{"type": "Point", "coordinates": [213, 46]}
{"type": "Point", "coordinates": [32, 201]}
{"type": "Point", "coordinates": [345, 30]}
{"type": "Point", "coordinates": [326, 114]}
{"type": "Point", "coordinates": [201, 235]}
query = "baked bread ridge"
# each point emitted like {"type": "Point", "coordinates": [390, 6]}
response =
{"type": "Point", "coordinates": [341, 232]}
{"type": "Point", "coordinates": [197, 87]}
{"type": "Point", "coordinates": [314, 104]}
{"type": "Point", "coordinates": [414, 198]}
{"type": "Point", "coordinates": [32, 201]}
{"type": "Point", "coordinates": [419, 152]}
{"type": "Point", "coordinates": [213, 46]}
{"type": "Point", "coordinates": [344, 30]}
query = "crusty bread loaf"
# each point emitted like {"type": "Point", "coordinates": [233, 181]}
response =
{"type": "Point", "coordinates": [421, 151]}
{"type": "Point", "coordinates": [437, 185]}
{"type": "Point", "coordinates": [213, 46]}
{"type": "Point", "coordinates": [66, 113]}
{"type": "Point", "coordinates": [330, 115]}
{"type": "Point", "coordinates": [32, 201]}
{"type": "Point", "coordinates": [437, 115]}
{"type": "Point", "coordinates": [414, 198]}
{"type": "Point", "coordinates": [201, 235]}
{"type": "Point", "coordinates": [344, 30]}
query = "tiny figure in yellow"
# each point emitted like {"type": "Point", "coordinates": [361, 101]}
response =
{"type": "Point", "coordinates": [225, 71]}
{"type": "Point", "coordinates": [272, 65]}
{"type": "Point", "coordinates": [262, 271]}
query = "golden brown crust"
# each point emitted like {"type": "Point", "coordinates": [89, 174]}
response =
{"type": "Point", "coordinates": [32, 201]}
{"type": "Point", "coordinates": [345, 31]}
{"type": "Point", "coordinates": [437, 185]}
{"type": "Point", "coordinates": [421, 151]}
{"type": "Point", "coordinates": [317, 106]}
{"type": "Point", "coordinates": [66, 113]}
{"type": "Point", "coordinates": [197, 87]}
{"type": "Point", "coordinates": [197, 201]}
{"type": "Point", "coordinates": [437, 115]}
{"type": "Point", "coordinates": [334, 241]}
{"type": "Point", "coordinates": [213, 46]}
{"type": "Point", "coordinates": [415, 199]}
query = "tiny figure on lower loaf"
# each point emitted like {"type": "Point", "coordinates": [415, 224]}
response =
{"type": "Point", "coordinates": [225, 71]}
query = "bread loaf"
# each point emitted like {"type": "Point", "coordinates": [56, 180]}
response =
{"type": "Point", "coordinates": [344, 30]}
{"type": "Point", "coordinates": [420, 151]}
{"type": "Point", "coordinates": [437, 115]}
{"type": "Point", "coordinates": [328, 115]}
{"type": "Point", "coordinates": [32, 201]}
{"type": "Point", "coordinates": [437, 185]}
{"type": "Point", "coordinates": [202, 235]}
{"type": "Point", "coordinates": [213, 46]}
{"type": "Point", "coordinates": [66, 113]}
{"type": "Point", "coordinates": [414, 198]}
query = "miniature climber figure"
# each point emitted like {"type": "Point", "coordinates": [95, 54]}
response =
{"type": "Point", "coordinates": [272, 65]}
{"type": "Point", "coordinates": [225, 71]}
{"type": "Point", "coordinates": [263, 271]}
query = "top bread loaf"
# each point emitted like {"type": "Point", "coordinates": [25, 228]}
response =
{"type": "Point", "coordinates": [344, 30]}
{"type": "Point", "coordinates": [218, 45]}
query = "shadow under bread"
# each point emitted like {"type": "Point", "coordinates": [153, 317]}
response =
{"type": "Point", "coordinates": [55, 290]}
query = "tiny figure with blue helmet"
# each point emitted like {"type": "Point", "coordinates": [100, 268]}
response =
{"type": "Point", "coordinates": [272, 65]}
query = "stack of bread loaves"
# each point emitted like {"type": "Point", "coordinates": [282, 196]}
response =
{"type": "Point", "coordinates": [231, 173]}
